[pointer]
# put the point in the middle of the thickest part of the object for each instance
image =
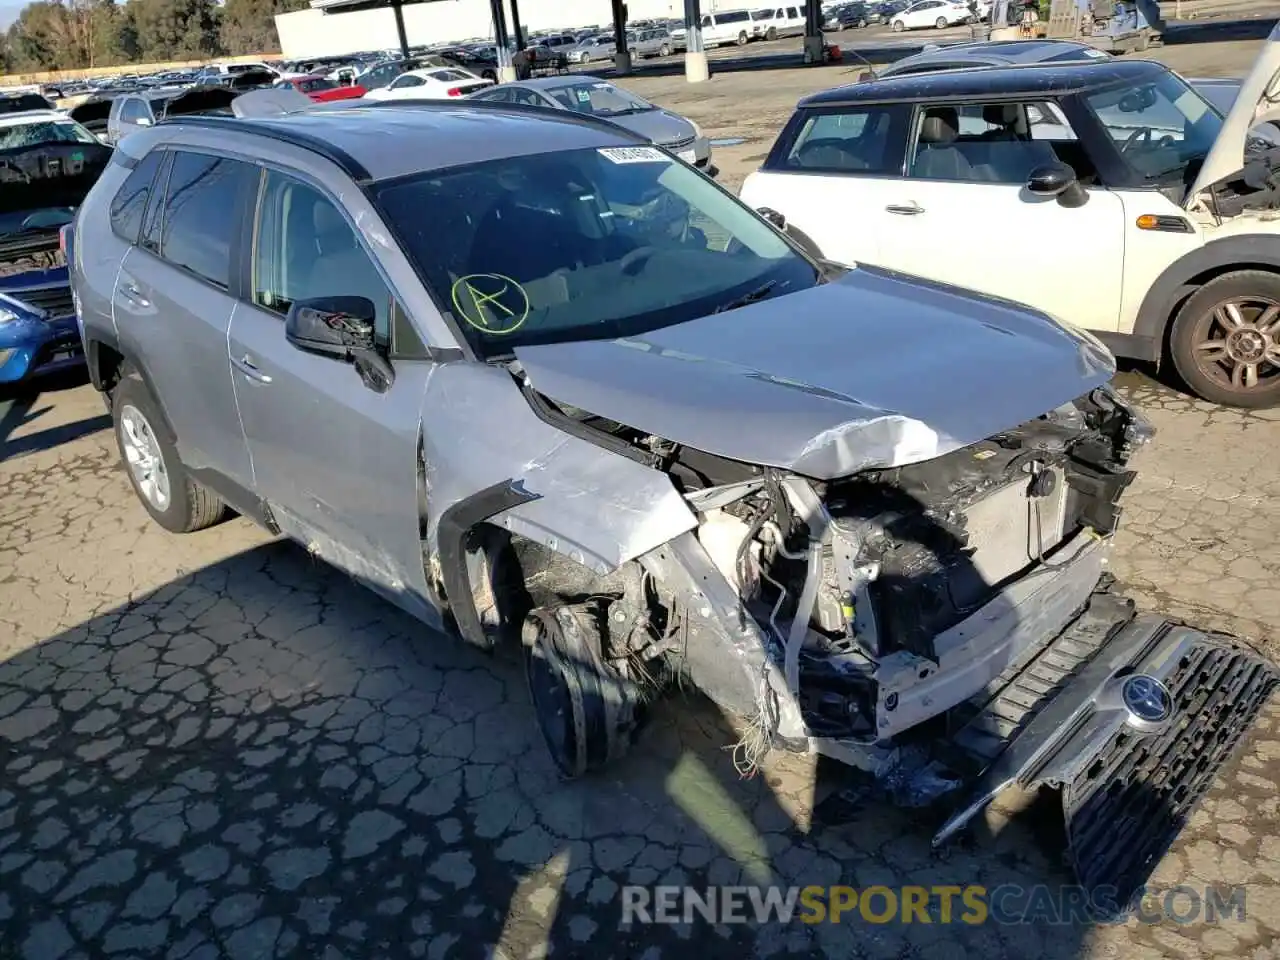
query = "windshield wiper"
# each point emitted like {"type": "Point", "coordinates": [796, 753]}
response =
{"type": "Point", "coordinates": [748, 298]}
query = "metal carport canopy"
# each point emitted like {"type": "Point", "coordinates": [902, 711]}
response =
{"type": "Point", "coordinates": [696, 66]}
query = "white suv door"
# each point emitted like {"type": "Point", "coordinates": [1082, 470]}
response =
{"type": "Point", "coordinates": [842, 170]}
{"type": "Point", "coordinates": [963, 215]}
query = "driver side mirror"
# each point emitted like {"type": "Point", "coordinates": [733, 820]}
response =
{"type": "Point", "coordinates": [1057, 180]}
{"type": "Point", "coordinates": [341, 328]}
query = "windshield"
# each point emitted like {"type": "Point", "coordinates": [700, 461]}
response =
{"type": "Point", "coordinates": [1161, 127]}
{"type": "Point", "coordinates": [45, 131]}
{"type": "Point", "coordinates": [583, 244]}
{"type": "Point", "coordinates": [599, 99]}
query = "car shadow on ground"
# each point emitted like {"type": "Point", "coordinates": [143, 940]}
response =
{"type": "Point", "coordinates": [25, 404]}
{"type": "Point", "coordinates": [265, 759]}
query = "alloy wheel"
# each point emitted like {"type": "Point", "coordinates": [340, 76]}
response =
{"type": "Point", "coordinates": [144, 457]}
{"type": "Point", "coordinates": [1237, 343]}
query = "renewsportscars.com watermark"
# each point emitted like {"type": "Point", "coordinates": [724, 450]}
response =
{"type": "Point", "coordinates": [968, 904]}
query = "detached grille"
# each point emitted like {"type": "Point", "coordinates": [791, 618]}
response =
{"type": "Point", "coordinates": [1126, 810]}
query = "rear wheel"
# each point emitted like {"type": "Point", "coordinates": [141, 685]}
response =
{"type": "Point", "coordinates": [941, 23]}
{"type": "Point", "coordinates": [665, 51]}
{"type": "Point", "coordinates": [167, 492]}
{"type": "Point", "coordinates": [898, 26]}
{"type": "Point", "coordinates": [743, 38]}
{"type": "Point", "coordinates": [1225, 341]}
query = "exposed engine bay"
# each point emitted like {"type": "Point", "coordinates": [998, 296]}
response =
{"type": "Point", "coordinates": [850, 577]}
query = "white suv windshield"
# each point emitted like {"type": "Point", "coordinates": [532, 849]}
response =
{"type": "Point", "coordinates": [583, 244]}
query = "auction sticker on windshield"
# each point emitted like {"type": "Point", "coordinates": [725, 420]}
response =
{"type": "Point", "coordinates": [634, 155]}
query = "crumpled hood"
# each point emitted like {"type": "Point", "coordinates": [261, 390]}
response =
{"type": "Point", "coordinates": [1256, 101]}
{"type": "Point", "coordinates": [877, 369]}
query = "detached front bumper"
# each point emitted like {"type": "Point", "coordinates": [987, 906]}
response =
{"type": "Point", "coordinates": [1131, 718]}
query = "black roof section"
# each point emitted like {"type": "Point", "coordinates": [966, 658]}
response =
{"type": "Point", "coordinates": [1032, 79]}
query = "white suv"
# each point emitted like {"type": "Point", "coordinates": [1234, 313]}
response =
{"type": "Point", "coordinates": [1108, 193]}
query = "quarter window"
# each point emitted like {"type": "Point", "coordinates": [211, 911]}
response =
{"type": "Point", "coordinates": [306, 248]}
{"type": "Point", "coordinates": [130, 202]}
{"type": "Point", "coordinates": [201, 214]}
{"type": "Point", "coordinates": [859, 140]}
{"type": "Point", "coordinates": [133, 110]}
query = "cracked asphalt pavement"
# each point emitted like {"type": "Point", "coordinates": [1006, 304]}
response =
{"type": "Point", "coordinates": [216, 746]}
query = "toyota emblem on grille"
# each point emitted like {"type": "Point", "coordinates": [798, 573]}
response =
{"type": "Point", "coordinates": [1147, 699]}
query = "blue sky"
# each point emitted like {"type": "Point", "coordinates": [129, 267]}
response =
{"type": "Point", "coordinates": [9, 11]}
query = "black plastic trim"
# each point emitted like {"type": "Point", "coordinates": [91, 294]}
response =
{"type": "Point", "coordinates": [236, 496]}
{"type": "Point", "coordinates": [1130, 346]}
{"type": "Point", "coordinates": [1252, 252]}
{"type": "Point", "coordinates": [281, 133]}
{"type": "Point", "coordinates": [451, 536]}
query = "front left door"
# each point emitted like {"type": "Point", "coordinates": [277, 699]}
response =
{"type": "Point", "coordinates": [963, 215]}
{"type": "Point", "coordinates": [335, 460]}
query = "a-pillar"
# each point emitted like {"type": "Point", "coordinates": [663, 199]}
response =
{"type": "Point", "coordinates": [502, 41]}
{"type": "Point", "coordinates": [621, 55]}
{"type": "Point", "coordinates": [696, 68]}
{"type": "Point", "coordinates": [815, 44]}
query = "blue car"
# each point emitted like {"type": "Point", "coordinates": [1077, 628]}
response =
{"type": "Point", "coordinates": [48, 162]}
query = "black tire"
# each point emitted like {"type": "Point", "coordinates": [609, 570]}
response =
{"type": "Point", "coordinates": [588, 714]}
{"type": "Point", "coordinates": [1219, 374]}
{"type": "Point", "coordinates": [862, 24]}
{"type": "Point", "coordinates": [743, 39]}
{"type": "Point", "coordinates": [771, 34]}
{"type": "Point", "coordinates": [898, 26]}
{"type": "Point", "coordinates": [665, 51]}
{"type": "Point", "coordinates": [189, 506]}
{"type": "Point", "coordinates": [941, 23]}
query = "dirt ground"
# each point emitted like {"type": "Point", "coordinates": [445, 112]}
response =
{"type": "Point", "coordinates": [213, 745]}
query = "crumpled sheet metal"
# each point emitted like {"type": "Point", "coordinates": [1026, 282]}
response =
{"type": "Point", "coordinates": [593, 506]}
{"type": "Point", "coordinates": [874, 370]}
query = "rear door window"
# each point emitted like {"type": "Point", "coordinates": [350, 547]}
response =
{"type": "Point", "coordinates": [130, 202]}
{"type": "Point", "coordinates": [202, 213]}
{"type": "Point", "coordinates": [869, 141]}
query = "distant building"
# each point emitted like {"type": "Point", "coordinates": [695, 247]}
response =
{"type": "Point", "coordinates": [315, 32]}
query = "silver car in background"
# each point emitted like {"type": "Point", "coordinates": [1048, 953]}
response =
{"type": "Point", "coordinates": [599, 98]}
{"type": "Point", "coordinates": [599, 47]}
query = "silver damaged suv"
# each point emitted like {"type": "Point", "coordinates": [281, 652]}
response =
{"type": "Point", "coordinates": [542, 384]}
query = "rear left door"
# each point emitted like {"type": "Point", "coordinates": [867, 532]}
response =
{"type": "Point", "coordinates": [832, 175]}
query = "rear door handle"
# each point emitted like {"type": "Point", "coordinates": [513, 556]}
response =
{"type": "Point", "coordinates": [905, 209]}
{"type": "Point", "coordinates": [250, 369]}
{"type": "Point", "coordinates": [131, 292]}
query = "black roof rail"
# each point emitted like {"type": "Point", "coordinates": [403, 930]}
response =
{"type": "Point", "coordinates": [494, 106]}
{"type": "Point", "coordinates": [284, 134]}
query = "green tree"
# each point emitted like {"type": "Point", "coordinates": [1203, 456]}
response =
{"type": "Point", "coordinates": [249, 26]}
{"type": "Point", "coordinates": [175, 29]}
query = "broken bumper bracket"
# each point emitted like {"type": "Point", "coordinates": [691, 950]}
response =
{"type": "Point", "coordinates": [1132, 718]}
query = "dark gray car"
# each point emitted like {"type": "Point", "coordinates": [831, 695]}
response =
{"type": "Point", "coordinates": [599, 98]}
{"type": "Point", "coordinates": [546, 388]}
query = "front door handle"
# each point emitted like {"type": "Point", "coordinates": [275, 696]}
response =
{"type": "Point", "coordinates": [905, 209]}
{"type": "Point", "coordinates": [250, 369]}
{"type": "Point", "coordinates": [131, 292]}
